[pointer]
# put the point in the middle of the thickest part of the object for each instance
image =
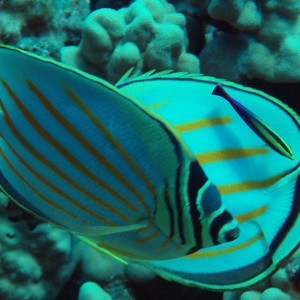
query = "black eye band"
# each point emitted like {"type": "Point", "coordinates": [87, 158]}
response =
{"type": "Point", "coordinates": [218, 223]}
{"type": "Point", "coordinates": [197, 180]}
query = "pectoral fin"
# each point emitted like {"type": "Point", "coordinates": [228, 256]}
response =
{"type": "Point", "coordinates": [93, 231]}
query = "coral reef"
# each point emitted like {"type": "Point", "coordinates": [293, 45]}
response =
{"type": "Point", "coordinates": [35, 261]}
{"type": "Point", "coordinates": [110, 273]}
{"type": "Point", "coordinates": [245, 39]}
{"type": "Point", "coordinates": [260, 40]}
{"type": "Point", "coordinates": [42, 26]}
{"type": "Point", "coordinates": [148, 34]}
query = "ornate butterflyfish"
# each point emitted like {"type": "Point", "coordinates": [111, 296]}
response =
{"type": "Point", "coordinates": [126, 167]}
{"type": "Point", "coordinates": [244, 148]}
{"type": "Point", "coordinates": [79, 153]}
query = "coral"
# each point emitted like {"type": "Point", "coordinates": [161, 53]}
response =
{"type": "Point", "coordinates": [98, 266]}
{"type": "Point", "coordinates": [148, 34]}
{"type": "Point", "coordinates": [110, 273]}
{"type": "Point", "coordinates": [283, 285]}
{"type": "Point", "coordinates": [292, 275]}
{"type": "Point", "coordinates": [92, 291]}
{"type": "Point", "coordinates": [138, 273]}
{"type": "Point", "coordinates": [268, 294]}
{"type": "Point", "coordinates": [35, 261]}
{"type": "Point", "coordinates": [261, 40]}
{"type": "Point", "coordinates": [42, 26]}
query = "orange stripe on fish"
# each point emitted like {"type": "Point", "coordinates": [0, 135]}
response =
{"type": "Point", "coordinates": [251, 214]}
{"type": "Point", "coordinates": [150, 225]}
{"type": "Point", "coordinates": [194, 125]}
{"type": "Point", "coordinates": [38, 155]}
{"type": "Point", "coordinates": [249, 185]}
{"type": "Point", "coordinates": [116, 144]}
{"type": "Point", "coordinates": [22, 178]}
{"type": "Point", "coordinates": [226, 154]}
{"type": "Point", "coordinates": [58, 190]}
{"type": "Point", "coordinates": [208, 254]}
{"type": "Point", "coordinates": [166, 243]}
{"type": "Point", "coordinates": [149, 238]}
{"type": "Point", "coordinates": [101, 158]}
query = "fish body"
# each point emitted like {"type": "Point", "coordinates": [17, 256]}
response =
{"type": "Point", "coordinates": [80, 154]}
{"type": "Point", "coordinates": [259, 185]}
{"type": "Point", "coordinates": [152, 169]}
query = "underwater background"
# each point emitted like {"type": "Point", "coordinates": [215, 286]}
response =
{"type": "Point", "coordinates": [255, 44]}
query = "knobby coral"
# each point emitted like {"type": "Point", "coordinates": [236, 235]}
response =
{"type": "Point", "coordinates": [42, 26]}
{"type": "Point", "coordinates": [35, 261]}
{"type": "Point", "coordinates": [262, 40]}
{"type": "Point", "coordinates": [149, 34]}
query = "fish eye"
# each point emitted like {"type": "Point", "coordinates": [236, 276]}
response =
{"type": "Point", "coordinates": [229, 232]}
{"type": "Point", "coordinates": [231, 235]}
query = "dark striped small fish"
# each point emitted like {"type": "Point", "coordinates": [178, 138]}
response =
{"type": "Point", "coordinates": [266, 133]}
{"type": "Point", "coordinates": [78, 153]}
{"type": "Point", "coordinates": [235, 146]}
